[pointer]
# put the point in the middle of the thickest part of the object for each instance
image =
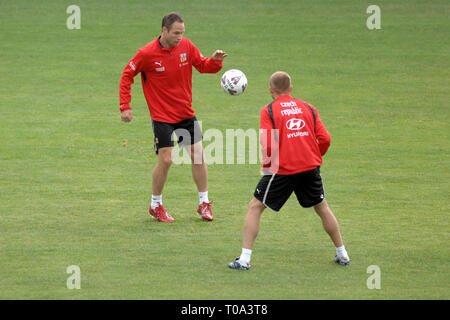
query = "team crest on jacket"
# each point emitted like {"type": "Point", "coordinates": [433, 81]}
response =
{"type": "Point", "coordinates": [183, 57]}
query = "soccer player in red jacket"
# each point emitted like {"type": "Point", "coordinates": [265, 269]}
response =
{"type": "Point", "coordinates": [165, 65]}
{"type": "Point", "coordinates": [293, 141]}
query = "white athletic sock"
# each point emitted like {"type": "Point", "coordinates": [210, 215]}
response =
{"type": "Point", "coordinates": [203, 197]}
{"type": "Point", "coordinates": [156, 201]}
{"type": "Point", "coordinates": [341, 252]}
{"type": "Point", "coordinates": [245, 256]}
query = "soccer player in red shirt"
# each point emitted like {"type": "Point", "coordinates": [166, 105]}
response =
{"type": "Point", "coordinates": [165, 65]}
{"type": "Point", "coordinates": [293, 141]}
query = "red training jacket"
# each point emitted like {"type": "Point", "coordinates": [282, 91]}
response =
{"type": "Point", "coordinates": [295, 147]}
{"type": "Point", "coordinates": [166, 75]}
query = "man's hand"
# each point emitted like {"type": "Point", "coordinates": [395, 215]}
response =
{"type": "Point", "coordinates": [127, 115]}
{"type": "Point", "coordinates": [219, 55]}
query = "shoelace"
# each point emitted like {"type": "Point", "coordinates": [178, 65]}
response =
{"type": "Point", "coordinates": [160, 211]}
{"type": "Point", "coordinates": [207, 206]}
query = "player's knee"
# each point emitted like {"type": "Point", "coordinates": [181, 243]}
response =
{"type": "Point", "coordinates": [256, 205]}
{"type": "Point", "coordinates": [321, 207]}
{"type": "Point", "coordinates": [323, 210]}
{"type": "Point", "coordinates": [197, 156]}
{"type": "Point", "coordinates": [165, 159]}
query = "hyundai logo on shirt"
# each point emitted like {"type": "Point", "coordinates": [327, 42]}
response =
{"type": "Point", "coordinates": [295, 124]}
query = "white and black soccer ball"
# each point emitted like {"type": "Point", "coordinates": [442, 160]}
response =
{"type": "Point", "coordinates": [234, 82]}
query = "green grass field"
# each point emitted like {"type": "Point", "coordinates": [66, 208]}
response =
{"type": "Point", "coordinates": [75, 181]}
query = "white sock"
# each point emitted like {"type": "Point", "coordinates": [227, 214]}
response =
{"type": "Point", "coordinates": [156, 201]}
{"type": "Point", "coordinates": [341, 252]}
{"type": "Point", "coordinates": [203, 197]}
{"type": "Point", "coordinates": [245, 256]}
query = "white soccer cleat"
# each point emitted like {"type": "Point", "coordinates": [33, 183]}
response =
{"type": "Point", "coordinates": [345, 261]}
{"type": "Point", "coordinates": [238, 265]}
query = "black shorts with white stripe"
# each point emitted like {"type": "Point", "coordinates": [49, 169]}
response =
{"type": "Point", "coordinates": [274, 190]}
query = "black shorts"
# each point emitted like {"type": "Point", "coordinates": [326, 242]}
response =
{"type": "Point", "coordinates": [187, 131]}
{"type": "Point", "coordinates": [274, 190]}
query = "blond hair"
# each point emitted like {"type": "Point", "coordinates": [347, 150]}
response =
{"type": "Point", "coordinates": [280, 82]}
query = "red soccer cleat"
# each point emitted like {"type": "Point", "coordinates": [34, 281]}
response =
{"type": "Point", "coordinates": [204, 210]}
{"type": "Point", "coordinates": [161, 214]}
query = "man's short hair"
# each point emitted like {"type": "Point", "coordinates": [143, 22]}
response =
{"type": "Point", "coordinates": [170, 18]}
{"type": "Point", "coordinates": [280, 82]}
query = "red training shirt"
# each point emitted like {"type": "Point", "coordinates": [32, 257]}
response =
{"type": "Point", "coordinates": [296, 146]}
{"type": "Point", "coordinates": [166, 75]}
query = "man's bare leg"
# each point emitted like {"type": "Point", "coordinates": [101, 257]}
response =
{"type": "Point", "coordinates": [199, 168]}
{"type": "Point", "coordinates": [251, 224]}
{"type": "Point", "coordinates": [159, 177]}
{"type": "Point", "coordinates": [331, 226]}
{"type": "Point", "coordinates": [161, 170]}
{"type": "Point", "coordinates": [251, 229]}
{"type": "Point", "coordinates": [329, 222]}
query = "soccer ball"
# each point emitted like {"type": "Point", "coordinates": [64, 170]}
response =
{"type": "Point", "coordinates": [234, 82]}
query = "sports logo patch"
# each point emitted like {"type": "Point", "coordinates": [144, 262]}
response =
{"type": "Point", "coordinates": [295, 124]}
{"type": "Point", "coordinates": [183, 57]}
{"type": "Point", "coordinates": [235, 80]}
